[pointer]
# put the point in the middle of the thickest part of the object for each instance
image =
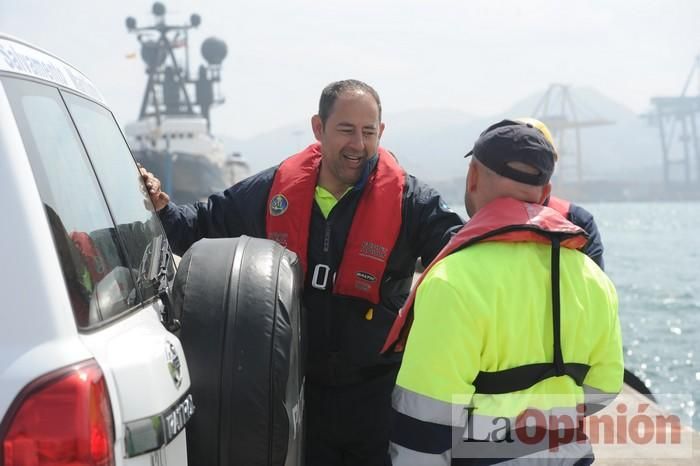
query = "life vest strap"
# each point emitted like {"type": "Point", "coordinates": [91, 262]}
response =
{"type": "Point", "coordinates": [556, 308]}
{"type": "Point", "coordinates": [524, 377]}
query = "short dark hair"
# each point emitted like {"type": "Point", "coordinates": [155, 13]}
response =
{"type": "Point", "coordinates": [331, 92]}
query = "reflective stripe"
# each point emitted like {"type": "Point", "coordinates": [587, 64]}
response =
{"type": "Point", "coordinates": [487, 438]}
{"type": "Point", "coordinates": [568, 454]}
{"type": "Point", "coordinates": [402, 456]}
{"type": "Point", "coordinates": [427, 424]}
{"type": "Point", "coordinates": [497, 428]}
{"type": "Point", "coordinates": [428, 409]}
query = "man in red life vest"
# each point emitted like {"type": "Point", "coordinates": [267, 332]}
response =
{"type": "Point", "coordinates": [510, 322]}
{"type": "Point", "coordinates": [357, 223]}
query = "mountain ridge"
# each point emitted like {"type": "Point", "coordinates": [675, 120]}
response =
{"type": "Point", "coordinates": [431, 142]}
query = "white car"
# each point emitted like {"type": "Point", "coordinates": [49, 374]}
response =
{"type": "Point", "coordinates": [89, 374]}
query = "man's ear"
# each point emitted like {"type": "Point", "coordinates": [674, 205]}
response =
{"type": "Point", "coordinates": [317, 127]}
{"type": "Point", "coordinates": [546, 191]}
{"type": "Point", "coordinates": [381, 130]}
{"type": "Point", "coordinates": [472, 177]}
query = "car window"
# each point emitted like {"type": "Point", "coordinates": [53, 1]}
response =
{"type": "Point", "coordinates": [97, 274]}
{"type": "Point", "coordinates": [132, 210]}
{"type": "Point", "coordinates": [192, 178]}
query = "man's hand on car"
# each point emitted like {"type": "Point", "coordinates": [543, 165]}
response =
{"type": "Point", "coordinates": [158, 197]}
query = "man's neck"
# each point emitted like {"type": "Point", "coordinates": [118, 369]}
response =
{"type": "Point", "coordinates": [337, 191]}
{"type": "Point", "coordinates": [333, 186]}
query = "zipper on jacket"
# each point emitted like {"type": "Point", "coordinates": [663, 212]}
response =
{"type": "Point", "coordinates": [327, 237]}
{"type": "Point", "coordinates": [333, 329]}
{"type": "Point", "coordinates": [333, 355]}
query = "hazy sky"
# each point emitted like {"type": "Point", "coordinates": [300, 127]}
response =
{"type": "Point", "coordinates": [478, 56]}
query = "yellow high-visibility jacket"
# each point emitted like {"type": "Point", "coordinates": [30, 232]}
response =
{"type": "Point", "coordinates": [488, 308]}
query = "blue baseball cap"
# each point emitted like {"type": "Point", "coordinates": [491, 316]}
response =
{"type": "Point", "coordinates": [516, 141]}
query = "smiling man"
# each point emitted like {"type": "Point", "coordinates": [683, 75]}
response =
{"type": "Point", "coordinates": [358, 223]}
{"type": "Point", "coordinates": [348, 129]}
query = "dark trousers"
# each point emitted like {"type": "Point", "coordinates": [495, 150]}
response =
{"type": "Point", "coordinates": [349, 425]}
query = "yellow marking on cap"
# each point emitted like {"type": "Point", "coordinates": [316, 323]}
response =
{"type": "Point", "coordinates": [537, 124]}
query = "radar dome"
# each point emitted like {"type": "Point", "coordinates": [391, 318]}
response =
{"type": "Point", "coordinates": [158, 9]}
{"type": "Point", "coordinates": [214, 50]}
{"type": "Point", "coordinates": [153, 54]}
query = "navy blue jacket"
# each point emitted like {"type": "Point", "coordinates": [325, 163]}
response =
{"type": "Point", "coordinates": [584, 219]}
{"type": "Point", "coordinates": [344, 337]}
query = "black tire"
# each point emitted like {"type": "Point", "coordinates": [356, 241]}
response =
{"type": "Point", "coordinates": [239, 303]}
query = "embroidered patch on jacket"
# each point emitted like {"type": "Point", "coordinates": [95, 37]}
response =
{"type": "Point", "coordinates": [278, 205]}
{"type": "Point", "coordinates": [373, 251]}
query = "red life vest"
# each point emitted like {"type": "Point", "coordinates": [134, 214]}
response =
{"type": "Point", "coordinates": [504, 219]}
{"type": "Point", "coordinates": [91, 257]}
{"type": "Point", "coordinates": [560, 205]}
{"type": "Point", "coordinates": [375, 225]}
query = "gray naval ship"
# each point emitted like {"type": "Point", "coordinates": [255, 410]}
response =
{"type": "Point", "coordinates": [172, 136]}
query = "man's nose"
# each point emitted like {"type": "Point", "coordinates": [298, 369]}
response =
{"type": "Point", "coordinates": [357, 141]}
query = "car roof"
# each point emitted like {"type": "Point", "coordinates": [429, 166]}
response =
{"type": "Point", "coordinates": [21, 58]}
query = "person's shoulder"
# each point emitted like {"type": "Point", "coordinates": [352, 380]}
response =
{"type": "Point", "coordinates": [454, 283]}
{"type": "Point", "coordinates": [445, 278]}
{"type": "Point", "coordinates": [580, 213]}
{"type": "Point", "coordinates": [258, 181]}
{"type": "Point", "coordinates": [263, 176]}
{"type": "Point", "coordinates": [457, 267]}
{"type": "Point", "coordinates": [416, 183]}
{"type": "Point", "coordinates": [595, 272]}
{"type": "Point", "coordinates": [590, 273]}
{"type": "Point", "coordinates": [419, 190]}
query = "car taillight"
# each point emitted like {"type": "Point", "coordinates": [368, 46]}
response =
{"type": "Point", "coordinates": [64, 418]}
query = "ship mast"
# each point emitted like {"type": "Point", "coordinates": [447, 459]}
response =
{"type": "Point", "coordinates": [170, 90]}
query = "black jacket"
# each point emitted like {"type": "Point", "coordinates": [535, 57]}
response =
{"type": "Point", "coordinates": [584, 219]}
{"type": "Point", "coordinates": [344, 336]}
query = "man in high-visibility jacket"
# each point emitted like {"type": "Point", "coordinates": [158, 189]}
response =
{"type": "Point", "coordinates": [514, 330]}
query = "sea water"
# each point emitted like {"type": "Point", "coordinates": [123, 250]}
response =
{"type": "Point", "coordinates": [652, 254]}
